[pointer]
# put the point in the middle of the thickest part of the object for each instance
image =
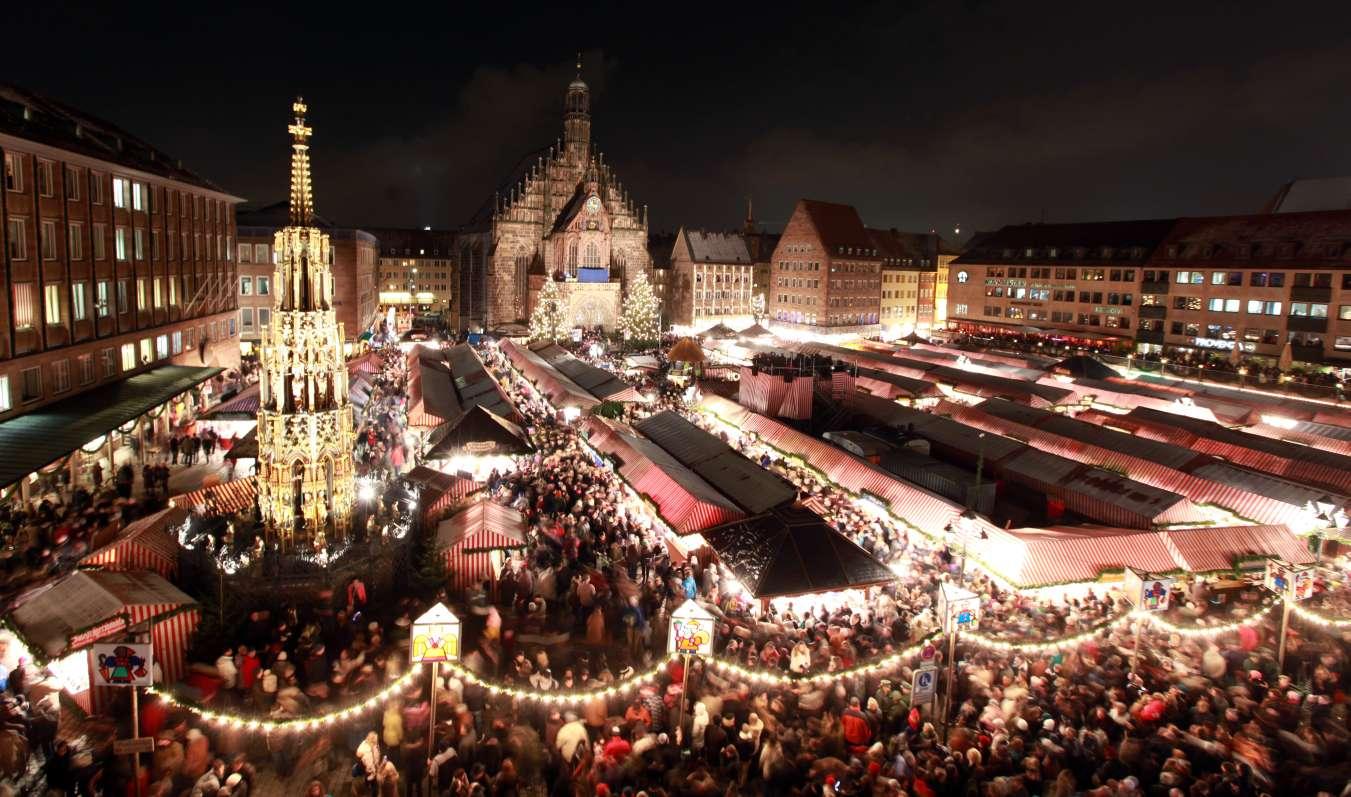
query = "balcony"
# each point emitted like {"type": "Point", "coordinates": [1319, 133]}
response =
{"type": "Point", "coordinates": [1308, 294]}
{"type": "Point", "coordinates": [1153, 287]}
{"type": "Point", "coordinates": [1149, 336]}
{"type": "Point", "coordinates": [1153, 311]}
{"type": "Point", "coordinates": [1307, 323]}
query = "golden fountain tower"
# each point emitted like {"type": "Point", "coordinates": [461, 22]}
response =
{"type": "Point", "coordinates": [305, 436]}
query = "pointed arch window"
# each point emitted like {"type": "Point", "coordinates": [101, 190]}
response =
{"type": "Point", "coordinates": [592, 255]}
{"type": "Point", "coordinates": [572, 258]}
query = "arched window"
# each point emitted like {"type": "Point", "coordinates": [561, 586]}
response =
{"type": "Point", "coordinates": [592, 255]}
{"type": "Point", "coordinates": [572, 258]}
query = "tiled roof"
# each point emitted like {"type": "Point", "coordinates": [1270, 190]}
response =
{"type": "Point", "coordinates": [838, 226]}
{"type": "Point", "coordinates": [1074, 242]}
{"type": "Point", "coordinates": [1268, 240]}
{"type": "Point", "coordinates": [714, 247]}
{"type": "Point", "coordinates": [1319, 193]}
{"type": "Point", "coordinates": [34, 117]}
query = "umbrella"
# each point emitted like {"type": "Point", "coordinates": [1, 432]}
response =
{"type": "Point", "coordinates": [1287, 357]}
{"type": "Point", "coordinates": [686, 350]}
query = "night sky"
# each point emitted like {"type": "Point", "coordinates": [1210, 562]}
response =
{"type": "Point", "coordinates": [922, 115]}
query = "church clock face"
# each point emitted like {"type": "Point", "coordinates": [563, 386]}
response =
{"type": "Point", "coordinates": [593, 205]}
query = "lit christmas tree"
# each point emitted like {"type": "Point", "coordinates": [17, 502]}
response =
{"type": "Point", "coordinates": [549, 321]}
{"type": "Point", "coordinates": [638, 321]}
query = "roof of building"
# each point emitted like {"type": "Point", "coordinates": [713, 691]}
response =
{"type": "Point", "coordinates": [910, 249]}
{"type": "Point", "coordinates": [403, 242]}
{"type": "Point", "coordinates": [792, 551]}
{"type": "Point", "coordinates": [52, 617]}
{"type": "Point", "coordinates": [750, 486]}
{"type": "Point", "coordinates": [35, 117]}
{"type": "Point", "coordinates": [478, 431]}
{"type": "Point", "coordinates": [1282, 240]}
{"type": "Point", "coordinates": [1317, 193]}
{"type": "Point", "coordinates": [713, 247]}
{"type": "Point", "coordinates": [38, 438]}
{"type": "Point", "coordinates": [1093, 242]}
{"type": "Point", "coordinates": [839, 227]}
{"type": "Point", "coordinates": [603, 384]}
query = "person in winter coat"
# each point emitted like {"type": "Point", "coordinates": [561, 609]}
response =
{"type": "Point", "coordinates": [858, 730]}
{"type": "Point", "coordinates": [369, 757]}
{"type": "Point", "coordinates": [572, 734]}
{"type": "Point", "coordinates": [226, 669]}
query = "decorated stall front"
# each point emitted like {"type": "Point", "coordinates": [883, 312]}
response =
{"type": "Point", "coordinates": [148, 543]}
{"type": "Point", "coordinates": [477, 541]}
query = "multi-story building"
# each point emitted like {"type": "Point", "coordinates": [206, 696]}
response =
{"type": "Point", "coordinates": [909, 264]}
{"type": "Point", "coordinates": [711, 278]}
{"type": "Point", "coordinates": [826, 274]}
{"type": "Point", "coordinates": [353, 253]}
{"type": "Point", "coordinates": [660, 245]}
{"type": "Point", "coordinates": [416, 272]}
{"type": "Point", "coordinates": [761, 246]}
{"type": "Point", "coordinates": [118, 260]}
{"type": "Point", "coordinates": [1257, 282]}
{"type": "Point", "coordinates": [946, 254]}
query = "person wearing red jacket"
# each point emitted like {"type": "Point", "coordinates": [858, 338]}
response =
{"type": "Point", "coordinates": [858, 730]}
{"type": "Point", "coordinates": [618, 748]}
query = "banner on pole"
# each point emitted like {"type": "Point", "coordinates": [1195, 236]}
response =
{"type": "Point", "coordinates": [691, 632]}
{"type": "Point", "coordinates": [123, 664]}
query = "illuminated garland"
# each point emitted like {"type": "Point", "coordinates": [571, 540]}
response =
{"type": "Point", "coordinates": [300, 724]}
{"type": "Point", "coordinates": [1205, 631]}
{"type": "Point", "coordinates": [1310, 616]}
{"type": "Point", "coordinates": [570, 697]}
{"type": "Point", "coordinates": [994, 643]}
{"type": "Point", "coordinates": [781, 679]}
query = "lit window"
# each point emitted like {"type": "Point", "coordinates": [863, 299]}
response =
{"type": "Point", "coordinates": [128, 356]}
{"type": "Point", "coordinates": [13, 171]}
{"type": "Point", "coordinates": [24, 311]}
{"type": "Point", "coordinates": [146, 350]}
{"type": "Point", "coordinates": [177, 340]}
{"type": "Point", "coordinates": [245, 286]}
{"type": "Point", "coordinates": [51, 298]}
{"type": "Point", "coordinates": [245, 253]}
{"type": "Point", "coordinates": [120, 243]}
{"type": "Point", "coordinates": [264, 285]}
{"type": "Point", "coordinates": [138, 196]}
{"type": "Point", "coordinates": [5, 404]}
{"type": "Point", "coordinates": [77, 301]}
{"type": "Point", "coordinates": [138, 237]}
{"type": "Point", "coordinates": [158, 291]}
{"type": "Point", "coordinates": [260, 253]}
{"type": "Point", "coordinates": [121, 187]}
{"type": "Point", "coordinates": [161, 346]}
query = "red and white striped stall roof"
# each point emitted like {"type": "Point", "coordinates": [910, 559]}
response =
{"type": "Point", "coordinates": [471, 536]}
{"type": "Point", "coordinates": [440, 491]}
{"type": "Point", "coordinates": [776, 395]}
{"type": "Point", "coordinates": [148, 543]}
{"type": "Point", "coordinates": [684, 499]}
{"type": "Point", "coordinates": [1205, 550]}
{"type": "Point", "coordinates": [240, 407]}
{"type": "Point", "coordinates": [225, 498]}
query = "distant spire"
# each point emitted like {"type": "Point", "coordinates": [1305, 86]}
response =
{"type": "Point", "coordinates": [579, 64]}
{"type": "Point", "coordinates": [302, 197]}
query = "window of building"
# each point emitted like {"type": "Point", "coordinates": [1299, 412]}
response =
{"type": "Point", "coordinates": [78, 299]}
{"type": "Point", "coordinates": [5, 405]}
{"type": "Point", "coordinates": [246, 317]}
{"type": "Point", "coordinates": [154, 244]}
{"type": "Point", "coordinates": [1223, 305]}
{"type": "Point", "coordinates": [49, 248]}
{"type": "Point", "coordinates": [96, 188]}
{"type": "Point", "coordinates": [121, 190]}
{"type": "Point", "coordinates": [13, 171]}
{"type": "Point", "coordinates": [232, 327]}
{"type": "Point", "coordinates": [75, 236]}
{"type": "Point", "coordinates": [138, 238]}
{"type": "Point", "coordinates": [246, 286]}
{"type": "Point", "coordinates": [1344, 312]}
{"type": "Point", "coordinates": [177, 340]}
{"type": "Point", "coordinates": [100, 243]}
{"type": "Point", "coordinates": [17, 234]}
{"type": "Point", "coordinates": [1310, 309]}
{"type": "Point", "coordinates": [157, 290]}
{"type": "Point", "coordinates": [128, 356]}
{"type": "Point", "coordinates": [32, 384]}
{"type": "Point", "coordinates": [51, 300]}
{"type": "Point", "coordinates": [60, 376]}
{"type": "Point", "coordinates": [173, 291]}
{"type": "Point", "coordinates": [260, 253]}
{"type": "Point", "coordinates": [46, 177]}
{"type": "Point", "coordinates": [245, 253]}
{"type": "Point", "coordinates": [147, 351]}
{"type": "Point", "coordinates": [102, 305]}
{"type": "Point", "coordinates": [25, 312]}
{"type": "Point", "coordinates": [109, 359]}
{"type": "Point", "coordinates": [120, 243]}
{"type": "Point", "coordinates": [264, 317]}
{"type": "Point", "coordinates": [161, 346]}
{"type": "Point", "coordinates": [264, 285]}
{"type": "Point", "coordinates": [86, 366]}
{"type": "Point", "coordinates": [141, 304]}
{"type": "Point", "coordinates": [122, 304]}
{"type": "Point", "coordinates": [138, 196]}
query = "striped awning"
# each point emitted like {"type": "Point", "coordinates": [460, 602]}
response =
{"type": "Point", "coordinates": [148, 543]}
{"type": "Point", "coordinates": [220, 499]}
{"type": "Point", "coordinates": [241, 407]}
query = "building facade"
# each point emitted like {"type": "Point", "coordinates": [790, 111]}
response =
{"type": "Point", "coordinates": [117, 258]}
{"type": "Point", "coordinates": [353, 254]}
{"type": "Point", "coordinates": [564, 214]}
{"type": "Point", "coordinates": [711, 279]}
{"type": "Point", "coordinates": [1255, 282]}
{"type": "Point", "coordinates": [306, 478]}
{"type": "Point", "coordinates": [909, 266]}
{"type": "Point", "coordinates": [416, 272]}
{"type": "Point", "coordinates": [946, 254]}
{"type": "Point", "coordinates": [826, 274]}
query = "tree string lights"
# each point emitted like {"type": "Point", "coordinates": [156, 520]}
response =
{"type": "Point", "coordinates": [638, 321]}
{"type": "Point", "coordinates": [549, 319]}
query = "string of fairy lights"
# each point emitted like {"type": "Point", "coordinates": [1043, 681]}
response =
{"type": "Point", "coordinates": [758, 676]}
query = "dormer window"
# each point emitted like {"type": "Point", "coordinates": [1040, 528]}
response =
{"type": "Point", "coordinates": [1053, 252]}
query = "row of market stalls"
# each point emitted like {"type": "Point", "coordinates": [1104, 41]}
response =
{"type": "Point", "coordinates": [1205, 479]}
{"type": "Point", "coordinates": [1025, 558]}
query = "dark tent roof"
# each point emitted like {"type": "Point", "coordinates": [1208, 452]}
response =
{"type": "Point", "coordinates": [750, 486]}
{"type": "Point", "coordinates": [478, 431]}
{"type": "Point", "coordinates": [791, 551]}
{"type": "Point", "coordinates": [718, 330]}
{"type": "Point", "coordinates": [754, 331]}
{"type": "Point", "coordinates": [246, 447]}
{"type": "Point", "coordinates": [1083, 366]}
{"type": "Point", "coordinates": [40, 437]}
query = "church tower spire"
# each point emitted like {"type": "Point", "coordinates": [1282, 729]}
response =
{"type": "Point", "coordinates": [577, 117]}
{"type": "Point", "coordinates": [302, 196]}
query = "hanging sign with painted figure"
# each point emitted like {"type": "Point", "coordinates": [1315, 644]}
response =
{"type": "Point", "coordinates": [691, 631]}
{"type": "Point", "coordinates": [123, 664]}
{"type": "Point", "coordinates": [924, 686]}
{"type": "Point", "coordinates": [959, 608]}
{"type": "Point", "coordinates": [1292, 582]}
{"type": "Point", "coordinates": [436, 636]}
{"type": "Point", "coordinates": [1148, 592]}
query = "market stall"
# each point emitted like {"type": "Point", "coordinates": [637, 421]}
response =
{"type": "Point", "coordinates": [148, 543]}
{"type": "Point", "coordinates": [477, 539]}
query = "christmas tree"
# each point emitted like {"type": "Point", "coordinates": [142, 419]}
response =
{"type": "Point", "coordinates": [638, 321]}
{"type": "Point", "coordinates": [549, 321]}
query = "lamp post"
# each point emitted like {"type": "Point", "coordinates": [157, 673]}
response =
{"type": "Point", "coordinates": [435, 638]}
